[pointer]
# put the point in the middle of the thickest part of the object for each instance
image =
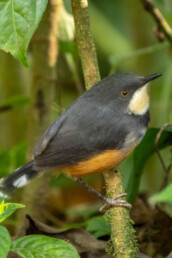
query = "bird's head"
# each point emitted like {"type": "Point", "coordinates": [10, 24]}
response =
{"type": "Point", "coordinates": [128, 92]}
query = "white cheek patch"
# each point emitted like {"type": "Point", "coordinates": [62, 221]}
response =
{"type": "Point", "coordinates": [21, 181]}
{"type": "Point", "coordinates": [139, 103]}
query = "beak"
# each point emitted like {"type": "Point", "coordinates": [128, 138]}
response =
{"type": "Point", "coordinates": [149, 78]}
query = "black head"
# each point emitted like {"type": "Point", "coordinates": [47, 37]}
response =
{"type": "Point", "coordinates": [126, 92]}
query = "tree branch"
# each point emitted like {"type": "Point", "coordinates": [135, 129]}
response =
{"type": "Point", "coordinates": [85, 42]}
{"type": "Point", "coordinates": [122, 236]}
{"type": "Point", "coordinates": [159, 18]}
{"type": "Point", "coordinates": [122, 232]}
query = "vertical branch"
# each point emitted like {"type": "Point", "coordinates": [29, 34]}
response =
{"type": "Point", "coordinates": [123, 238]}
{"type": "Point", "coordinates": [44, 49]}
{"type": "Point", "coordinates": [122, 232]}
{"type": "Point", "coordinates": [85, 42]}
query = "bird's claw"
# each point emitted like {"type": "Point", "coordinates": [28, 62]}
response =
{"type": "Point", "coordinates": [115, 202]}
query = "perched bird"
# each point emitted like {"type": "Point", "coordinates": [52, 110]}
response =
{"type": "Point", "coordinates": [95, 133]}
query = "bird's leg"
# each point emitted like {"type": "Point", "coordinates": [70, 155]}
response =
{"type": "Point", "coordinates": [108, 201]}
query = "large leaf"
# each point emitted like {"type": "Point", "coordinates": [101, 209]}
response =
{"type": "Point", "coordinates": [142, 153]}
{"type": "Point", "coordinates": [164, 196]}
{"type": "Point", "coordinates": [6, 209]}
{"type": "Point", "coordinates": [5, 242]}
{"type": "Point", "coordinates": [43, 246]}
{"type": "Point", "coordinates": [18, 21]}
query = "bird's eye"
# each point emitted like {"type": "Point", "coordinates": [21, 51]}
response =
{"type": "Point", "coordinates": [124, 93]}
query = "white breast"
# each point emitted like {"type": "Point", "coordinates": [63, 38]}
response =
{"type": "Point", "coordinates": [134, 138]}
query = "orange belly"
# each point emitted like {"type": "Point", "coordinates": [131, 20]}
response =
{"type": "Point", "coordinates": [98, 163]}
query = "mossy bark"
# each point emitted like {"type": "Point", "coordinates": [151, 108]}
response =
{"type": "Point", "coordinates": [85, 42]}
{"type": "Point", "coordinates": [122, 236]}
{"type": "Point", "coordinates": [122, 232]}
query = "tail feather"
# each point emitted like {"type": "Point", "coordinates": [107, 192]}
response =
{"type": "Point", "coordinates": [17, 179]}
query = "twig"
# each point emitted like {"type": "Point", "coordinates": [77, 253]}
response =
{"type": "Point", "coordinates": [165, 169]}
{"type": "Point", "coordinates": [122, 236]}
{"type": "Point", "coordinates": [159, 18]}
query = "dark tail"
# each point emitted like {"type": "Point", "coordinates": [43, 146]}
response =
{"type": "Point", "coordinates": [17, 179]}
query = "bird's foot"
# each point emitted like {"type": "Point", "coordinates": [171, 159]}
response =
{"type": "Point", "coordinates": [115, 202]}
{"type": "Point", "coordinates": [108, 202]}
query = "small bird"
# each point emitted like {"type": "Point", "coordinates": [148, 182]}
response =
{"type": "Point", "coordinates": [95, 133]}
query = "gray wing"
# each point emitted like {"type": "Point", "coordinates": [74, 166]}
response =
{"type": "Point", "coordinates": [48, 135]}
{"type": "Point", "coordinates": [82, 131]}
{"type": "Point", "coordinates": [59, 124]}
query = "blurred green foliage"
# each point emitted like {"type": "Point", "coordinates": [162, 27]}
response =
{"type": "Point", "coordinates": [164, 196]}
{"type": "Point", "coordinates": [99, 226]}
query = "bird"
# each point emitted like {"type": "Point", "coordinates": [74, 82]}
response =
{"type": "Point", "coordinates": [94, 134]}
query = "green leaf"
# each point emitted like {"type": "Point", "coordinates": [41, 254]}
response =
{"type": "Point", "coordinates": [43, 246]}
{"type": "Point", "coordinates": [5, 242]}
{"type": "Point", "coordinates": [99, 226]}
{"type": "Point", "coordinates": [142, 153]}
{"type": "Point", "coordinates": [164, 196]}
{"type": "Point", "coordinates": [6, 209]}
{"type": "Point", "coordinates": [15, 101]}
{"type": "Point", "coordinates": [18, 21]}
